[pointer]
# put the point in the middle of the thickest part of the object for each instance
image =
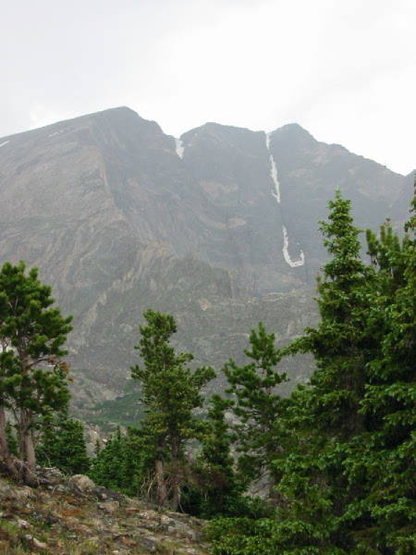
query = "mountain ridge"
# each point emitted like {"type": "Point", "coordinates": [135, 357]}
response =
{"type": "Point", "coordinates": [220, 229]}
{"type": "Point", "coordinates": [126, 109]}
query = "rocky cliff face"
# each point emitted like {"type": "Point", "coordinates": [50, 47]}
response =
{"type": "Point", "coordinates": [218, 227]}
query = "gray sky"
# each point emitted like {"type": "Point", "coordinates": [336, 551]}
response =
{"type": "Point", "coordinates": [345, 70]}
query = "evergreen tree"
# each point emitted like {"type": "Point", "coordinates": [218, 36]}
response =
{"type": "Point", "coordinates": [386, 513]}
{"type": "Point", "coordinates": [347, 480]}
{"type": "Point", "coordinates": [107, 466]}
{"type": "Point", "coordinates": [214, 488]}
{"type": "Point", "coordinates": [124, 463]}
{"type": "Point", "coordinates": [33, 378]}
{"type": "Point", "coordinates": [341, 343]}
{"type": "Point", "coordinates": [61, 444]}
{"type": "Point", "coordinates": [257, 406]}
{"type": "Point", "coordinates": [325, 415]}
{"type": "Point", "coordinates": [11, 439]}
{"type": "Point", "coordinates": [171, 391]}
{"type": "Point", "coordinates": [352, 483]}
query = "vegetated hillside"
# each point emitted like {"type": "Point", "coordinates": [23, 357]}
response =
{"type": "Point", "coordinates": [219, 228]}
{"type": "Point", "coordinates": [75, 516]}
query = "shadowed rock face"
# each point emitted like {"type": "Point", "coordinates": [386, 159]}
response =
{"type": "Point", "coordinates": [219, 228]}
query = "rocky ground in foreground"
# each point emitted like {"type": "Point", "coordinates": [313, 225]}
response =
{"type": "Point", "coordinates": [74, 516]}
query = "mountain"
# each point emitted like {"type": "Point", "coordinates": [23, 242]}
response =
{"type": "Point", "coordinates": [218, 227]}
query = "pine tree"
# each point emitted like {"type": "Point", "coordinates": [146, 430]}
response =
{"type": "Point", "coordinates": [326, 414]}
{"type": "Point", "coordinates": [347, 480]}
{"type": "Point", "coordinates": [107, 468]}
{"type": "Point", "coordinates": [320, 418]}
{"type": "Point", "coordinates": [341, 344]}
{"type": "Point", "coordinates": [257, 406]}
{"type": "Point", "coordinates": [214, 488]}
{"type": "Point", "coordinates": [61, 444]}
{"type": "Point", "coordinates": [33, 378]}
{"type": "Point", "coordinates": [387, 450]}
{"type": "Point", "coordinates": [171, 392]}
{"type": "Point", "coordinates": [123, 463]}
{"type": "Point", "coordinates": [353, 480]}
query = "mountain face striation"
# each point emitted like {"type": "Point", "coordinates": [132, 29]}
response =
{"type": "Point", "coordinates": [218, 227]}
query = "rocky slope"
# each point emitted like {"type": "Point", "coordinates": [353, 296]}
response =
{"type": "Point", "coordinates": [75, 517]}
{"type": "Point", "coordinates": [218, 227]}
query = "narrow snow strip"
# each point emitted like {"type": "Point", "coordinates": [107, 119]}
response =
{"type": "Point", "coordinates": [273, 171]}
{"type": "Point", "coordinates": [5, 143]}
{"type": "Point", "coordinates": [292, 263]}
{"type": "Point", "coordinates": [276, 195]}
{"type": "Point", "coordinates": [268, 141]}
{"type": "Point", "coordinates": [273, 174]}
{"type": "Point", "coordinates": [179, 147]}
{"type": "Point", "coordinates": [54, 134]}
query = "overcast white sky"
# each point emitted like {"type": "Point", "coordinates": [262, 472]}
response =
{"type": "Point", "coordinates": [343, 69]}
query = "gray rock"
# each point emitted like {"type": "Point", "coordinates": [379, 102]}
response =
{"type": "Point", "coordinates": [35, 543]}
{"type": "Point", "coordinates": [109, 506]}
{"type": "Point", "coordinates": [82, 483]}
{"type": "Point", "coordinates": [22, 523]}
{"type": "Point", "coordinates": [117, 221]}
{"type": "Point", "coordinates": [150, 544]}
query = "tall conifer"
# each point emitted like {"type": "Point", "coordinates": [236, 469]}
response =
{"type": "Point", "coordinates": [171, 392]}
{"type": "Point", "coordinates": [257, 405]}
{"type": "Point", "coordinates": [33, 377]}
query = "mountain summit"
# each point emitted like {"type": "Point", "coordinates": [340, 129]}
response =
{"type": "Point", "coordinates": [219, 227]}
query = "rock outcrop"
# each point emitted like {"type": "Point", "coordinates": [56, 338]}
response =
{"type": "Point", "coordinates": [66, 516]}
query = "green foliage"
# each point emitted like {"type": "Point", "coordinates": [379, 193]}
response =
{"type": "Point", "coordinates": [31, 334]}
{"type": "Point", "coordinates": [389, 404]}
{"type": "Point", "coordinates": [122, 463]}
{"type": "Point", "coordinates": [257, 407]}
{"type": "Point", "coordinates": [346, 479]}
{"type": "Point", "coordinates": [125, 409]}
{"type": "Point", "coordinates": [170, 389]}
{"type": "Point", "coordinates": [33, 379]}
{"type": "Point", "coordinates": [150, 461]}
{"type": "Point", "coordinates": [340, 343]}
{"type": "Point", "coordinates": [355, 478]}
{"type": "Point", "coordinates": [263, 536]}
{"type": "Point", "coordinates": [340, 451]}
{"type": "Point", "coordinates": [171, 392]}
{"type": "Point", "coordinates": [213, 487]}
{"type": "Point", "coordinates": [61, 444]}
{"type": "Point", "coordinates": [11, 439]}
{"type": "Point", "coordinates": [107, 466]}
{"type": "Point", "coordinates": [325, 415]}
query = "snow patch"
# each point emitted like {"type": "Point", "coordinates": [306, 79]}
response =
{"type": "Point", "coordinates": [58, 132]}
{"type": "Point", "coordinates": [288, 260]}
{"type": "Point", "coordinates": [5, 143]}
{"type": "Point", "coordinates": [180, 147]}
{"type": "Point", "coordinates": [273, 172]}
{"type": "Point", "coordinates": [276, 195]}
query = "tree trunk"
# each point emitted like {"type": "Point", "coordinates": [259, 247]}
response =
{"type": "Point", "coordinates": [177, 493]}
{"type": "Point", "coordinates": [27, 449]}
{"type": "Point", "coordinates": [5, 456]}
{"type": "Point", "coordinates": [176, 473]}
{"type": "Point", "coordinates": [26, 445]}
{"type": "Point", "coordinates": [30, 456]}
{"type": "Point", "coordinates": [162, 492]}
